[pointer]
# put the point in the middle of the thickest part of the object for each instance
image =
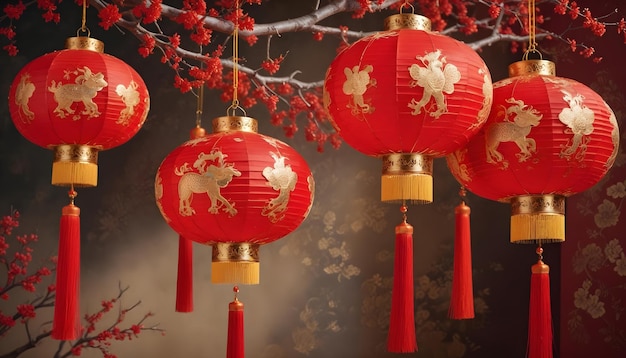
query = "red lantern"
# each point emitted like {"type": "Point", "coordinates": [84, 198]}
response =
{"type": "Point", "coordinates": [407, 95]}
{"type": "Point", "coordinates": [234, 189]}
{"type": "Point", "coordinates": [546, 138]}
{"type": "Point", "coordinates": [76, 102]}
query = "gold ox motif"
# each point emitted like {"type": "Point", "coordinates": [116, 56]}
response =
{"type": "Point", "coordinates": [209, 179]}
{"type": "Point", "coordinates": [84, 89]}
{"type": "Point", "coordinates": [519, 118]}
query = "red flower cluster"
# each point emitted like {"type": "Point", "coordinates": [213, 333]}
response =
{"type": "Point", "coordinates": [148, 14]}
{"type": "Point", "coordinates": [109, 15]}
{"type": "Point", "coordinates": [272, 66]}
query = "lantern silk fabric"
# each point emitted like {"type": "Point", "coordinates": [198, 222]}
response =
{"type": "Point", "coordinates": [76, 102]}
{"type": "Point", "coordinates": [407, 90]}
{"type": "Point", "coordinates": [545, 135]}
{"type": "Point", "coordinates": [234, 187]}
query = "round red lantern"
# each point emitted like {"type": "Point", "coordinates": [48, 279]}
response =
{"type": "Point", "coordinates": [234, 189]}
{"type": "Point", "coordinates": [546, 138]}
{"type": "Point", "coordinates": [77, 102]}
{"type": "Point", "coordinates": [407, 95]}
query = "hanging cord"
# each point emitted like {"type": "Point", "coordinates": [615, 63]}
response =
{"type": "Point", "coordinates": [83, 25]}
{"type": "Point", "coordinates": [235, 104]}
{"type": "Point", "coordinates": [532, 37]}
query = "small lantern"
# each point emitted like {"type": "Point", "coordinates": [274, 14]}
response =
{"type": "Point", "coordinates": [234, 189]}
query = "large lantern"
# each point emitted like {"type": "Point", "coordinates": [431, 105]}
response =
{"type": "Point", "coordinates": [407, 95]}
{"type": "Point", "coordinates": [546, 138]}
{"type": "Point", "coordinates": [76, 102]}
{"type": "Point", "coordinates": [234, 189]}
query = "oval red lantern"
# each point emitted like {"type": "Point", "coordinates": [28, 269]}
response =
{"type": "Point", "coordinates": [546, 138]}
{"type": "Point", "coordinates": [407, 95]}
{"type": "Point", "coordinates": [234, 189]}
{"type": "Point", "coordinates": [77, 102]}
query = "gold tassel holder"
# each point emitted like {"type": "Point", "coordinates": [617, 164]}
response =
{"type": "Point", "coordinates": [407, 177]}
{"type": "Point", "coordinates": [75, 165]}
{"type": "Point", "coordinates": [235, 262]}
{"type": "Point", "coordinates": [537, 218]}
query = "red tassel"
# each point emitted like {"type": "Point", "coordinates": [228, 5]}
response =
{"type": "Point", "coordinates": [235, 344]}
{"type": "Point", "coordinates": [462, 300]}
{"type": "Point", "coordinates": [184, 281]}
{"type": "Point", "coordinates": [66, 322]}
{"type": "Point", "coordinates": [540, 313]}
{"type": "Point", "coordinates": [401, 337]}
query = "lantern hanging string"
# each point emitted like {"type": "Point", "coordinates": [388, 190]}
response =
{"type": "Point", "coordinates": [532, 39]}
{"type": "Point", "coordinates": [200, 99]}
{"type": "Point", "coordinates": [235, 103]}
{"type": "Point", "coordinates": [83, 25]}
{"type": "Point", "coordinates": [407, 4]}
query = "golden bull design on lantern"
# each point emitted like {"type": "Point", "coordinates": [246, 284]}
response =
{"type": "Point", "coordinates": [84, 89]}
{"type": "Point", "coordinates": [209, 180]}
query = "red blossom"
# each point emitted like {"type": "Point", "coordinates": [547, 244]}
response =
{"type": "Point", "coordinates": [109, 15]}
{"type": "Point", "coordinates": [14, 11]}
{"type": "Point", "coordinates": [27, 311]}
{"type": "Point", "coordinates": [7, 321]}
{"type": "Point", "coordinates": [318, 36]}
{"type": "Point", "coordinates": [147, 45]}
{"type": "Point", "coordinates": [272, 66]}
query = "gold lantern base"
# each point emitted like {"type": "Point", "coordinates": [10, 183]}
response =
{"type": "Point", "coordinates": [407, 177]}
{"type": "Point", "coordinates": [537, 219]}
{"type": "Point", "coordinates": [75, 165]}
{"type": "Point", "coordinates": [235, 263]}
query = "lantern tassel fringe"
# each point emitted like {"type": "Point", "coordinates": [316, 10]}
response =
{"type": "Point", "coordinates": [235, 340]}
{"type": "Point", "coordinates": [540, 314]}
{"type": "Point", "coordinates": [67, 172]}
{"type": "Point", "coordinates": [66, 321]}
{"type": "Point", "coordinates": [528, 228]}
{"type": "Point", "coordinates": [247, 273]}
{"type": "Point", "coordinates": [401, 335]}
{"type": "Point", "coordinates": [414, 187]}
{"type": "Point", "coordinates": [184, 280]}
{"type": "Point", "coordinates": [462, 295]}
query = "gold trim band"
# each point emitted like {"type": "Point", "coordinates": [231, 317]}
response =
{"type": "Point", "coordinates": [235, 252]}
{"type": "Point", "coordinates": [84, 43]}
{"type": "Point", "coordinates": [532, 67]}
{"type": "Point", "coordinates": [235, 123]}
{"type": "Point", "coordinates": [75, 153]}
{"type": "Point", "coordinates": [538, 204]}
{"type": "Point", "coordinates": [407, 163]}
{"type": "Point", "coordinates": [407, 21]}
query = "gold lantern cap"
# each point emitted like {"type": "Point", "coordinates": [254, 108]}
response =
{"type": "Point", "coordinates": [235, 123]}
{"type": "Point", "coordinates": [532, 67]}
{"type": "Point", "coordinates": [407, 21]}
